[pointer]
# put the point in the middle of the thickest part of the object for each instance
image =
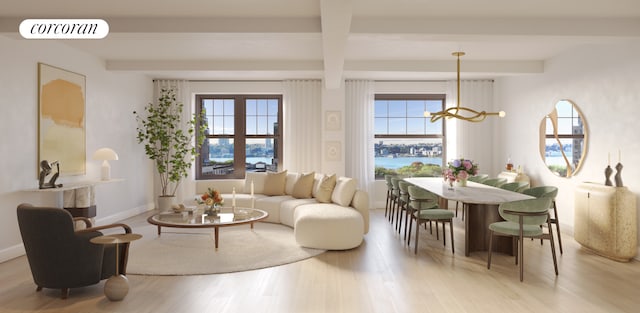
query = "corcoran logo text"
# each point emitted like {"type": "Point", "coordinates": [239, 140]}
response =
{"type": "Point", "coordinates": [64, 28]}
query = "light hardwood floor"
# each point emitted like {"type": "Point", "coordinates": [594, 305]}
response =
{"type": "Point", "coordinates": [382, 275]}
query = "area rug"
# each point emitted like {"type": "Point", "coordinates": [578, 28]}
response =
{"type": "Point", "coordinates": [181, 251]}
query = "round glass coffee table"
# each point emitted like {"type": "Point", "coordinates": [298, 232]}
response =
{"type": "Point", "coordinates": [197, 219]}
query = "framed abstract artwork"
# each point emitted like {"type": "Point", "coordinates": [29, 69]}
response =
{"type": "Point", "coordinates": [62, 119]}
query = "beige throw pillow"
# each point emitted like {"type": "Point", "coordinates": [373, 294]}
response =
{"type": "Point", "coordinates": [344, 191]}
{"type": "Point", "coordinates": [303, 186]}
{"type": "Point", "coordinates": [274, 184]}
{"type": "Point", "coordinates": [325, 189]}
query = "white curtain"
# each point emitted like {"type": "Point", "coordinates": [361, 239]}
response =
{"type": "Point", "coordinates": [359, 132]}
{"type": "Point", "coordinates": [186, 190]}
{"type": "Point", "coordinates": [302, 107]}
{"type": "Point", "coordinates": [473, 140]}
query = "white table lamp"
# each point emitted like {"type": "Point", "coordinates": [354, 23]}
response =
{"type": "Point", "coordinates": [105, 154]}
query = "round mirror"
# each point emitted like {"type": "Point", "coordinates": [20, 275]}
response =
{"type": "Point", "coordinates": [563, 139]}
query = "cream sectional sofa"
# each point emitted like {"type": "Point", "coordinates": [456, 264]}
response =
{"type": "Point", "coordinates": [325, 211]}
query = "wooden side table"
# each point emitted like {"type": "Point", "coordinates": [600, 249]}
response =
{"type": "Point", "coordinates": [117, 286]}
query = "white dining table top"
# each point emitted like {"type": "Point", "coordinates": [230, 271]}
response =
{"type": "Point", "coordinates": [474, 192]}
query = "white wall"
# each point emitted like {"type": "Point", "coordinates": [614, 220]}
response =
{"type": "Point", "coordinates": [110, 100]}
{"type": "Point", "coordinates": [604, 82]}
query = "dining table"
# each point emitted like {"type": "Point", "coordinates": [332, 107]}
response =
{"type": "Point", "coordinates": [480, 205]}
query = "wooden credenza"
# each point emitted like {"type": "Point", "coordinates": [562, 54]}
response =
{"type": "Point", "coordinates": [605, 220]}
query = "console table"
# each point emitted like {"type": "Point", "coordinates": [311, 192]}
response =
{"type": "Point", "coordinates": [79, 205]}
{"type": "Point", "coordinates": [605, 220]}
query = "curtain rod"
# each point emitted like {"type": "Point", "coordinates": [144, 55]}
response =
{"type": "Point", "coordinates": [281, 80]}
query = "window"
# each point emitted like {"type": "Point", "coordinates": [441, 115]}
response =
{"type": "Point", "coordinates": [243, 134]}
{"type": "Point", "coordinates": [407, 143]}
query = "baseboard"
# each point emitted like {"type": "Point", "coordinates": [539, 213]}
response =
{"type": "Point", "coordinates": [11, 252]}
{"type": "Point", "coordinates": [116, 218]}
{"type": "Point", "coordinates": [18, 250]}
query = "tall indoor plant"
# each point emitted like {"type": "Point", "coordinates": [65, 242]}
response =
{"type": "Point", "coordinates": [168, 140]}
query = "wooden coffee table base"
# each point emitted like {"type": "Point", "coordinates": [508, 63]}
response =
{"type": "Point", "coordinates": [216, 233]}
{"type": "Point", "coordinates": [228, 219]}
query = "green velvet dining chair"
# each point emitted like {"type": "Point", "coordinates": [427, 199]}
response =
{"type": "Point", "coordinates": [426, 209]}
{"type": "Point", "coordinates": [395, 207]}
{"type": "Point", "coordinates": [387, 208]}
{"type": "Point", "coordinates": [478, 178]}
{"type": "Point", "coordinates": [495, 182]}
{"type": "Point", "coordinates": [515, 186]}
{"type": "Point", "coordinates": [404, 206]}
{"type": "Point", "coordinates": [523, 219]}
{"type": "Point", "coordinates": [548, 192]}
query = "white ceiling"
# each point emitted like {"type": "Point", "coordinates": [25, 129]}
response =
{"type": "Point", "coordinates": [336, 39]}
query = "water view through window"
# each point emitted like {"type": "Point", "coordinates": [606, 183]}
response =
{"type": "Point", "coordinates": [242, 135]}
{"type": "Point", "coordinates": [407, 143]}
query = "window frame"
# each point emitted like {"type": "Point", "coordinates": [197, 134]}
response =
{"type": "Point", "coordinates": [240, 136]}
{"type": "Point", "coordinates": [408, 97]}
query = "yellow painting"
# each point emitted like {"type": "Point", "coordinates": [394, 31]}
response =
{"type": "Point", "coordinates": [62, 121]}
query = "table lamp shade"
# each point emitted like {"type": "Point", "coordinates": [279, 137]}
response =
{"type": "Point", "coordinates": [105, 154]}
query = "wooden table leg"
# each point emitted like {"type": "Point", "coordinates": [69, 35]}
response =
{"type": "Point", "coordinates": [159, 231]}
{"type": "Point", "coordinates": [477, 219]}
{"type": "Point", "coordinates": [467, 235]}
{"type": "Point", "coordinates": [216, 232]}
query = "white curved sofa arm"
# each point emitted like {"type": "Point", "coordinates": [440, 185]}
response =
{"type": "Point", "coordinates": [360, 202]}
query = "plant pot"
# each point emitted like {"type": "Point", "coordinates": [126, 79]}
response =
{"type": "Point", "coordinates": [165, 203]}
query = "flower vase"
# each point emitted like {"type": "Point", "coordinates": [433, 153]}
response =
{"type": "Point", "coordinates": [212, 210]}
{"type": "Point", "coordinates": [461, 183]}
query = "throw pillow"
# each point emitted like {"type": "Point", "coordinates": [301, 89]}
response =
{"type": "Point", "coordinates": [258, 179]}
{"type": "Point", "coordinates": [303, 186]}
{"type": "Point", "coordinates": [325, 188]}
{"type": "Point", "coordinates": [316, 184]}
{"type": "Point", "coordinates": [291, 180]}
{"type": "Point", "coordinates": [274, 184]}
{"type": "Point", "coordinates": [344, 191]}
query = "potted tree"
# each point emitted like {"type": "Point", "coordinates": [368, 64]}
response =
{"type": "Point", "coordinates": [169, 142]}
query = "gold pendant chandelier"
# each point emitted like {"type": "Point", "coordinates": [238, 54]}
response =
{"type": "Point", "coordinates": [458, 111]}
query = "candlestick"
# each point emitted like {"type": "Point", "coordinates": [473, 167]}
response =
{"type": "Point", "coordinates": [619, 156]}
{"type": "Point", "coordinates": [233, 199]}
{"type": "Point", "coordinates": [252, 188]}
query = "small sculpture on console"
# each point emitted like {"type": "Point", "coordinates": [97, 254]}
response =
{"type": "Point", "coordinates": [618, 177]}
{"type": "Point", "coordinates": [607, 174]}
{"type": "Point", "coordinates": [46, 170]}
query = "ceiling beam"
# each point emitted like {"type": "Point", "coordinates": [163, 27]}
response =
{"type": "Point", "coordinates": [211, 65]}
{"type": "Point", "coordinates": [499, 26]}
{"type": "Point", "coordinates": [470, 67]}
{"type": "Point", "coordinates": [336, 22]}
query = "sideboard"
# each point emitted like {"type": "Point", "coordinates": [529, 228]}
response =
{"type": "Point", "coordinates": [512, 176]}
{"type": "Point", "coordinates": [605, 220]}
